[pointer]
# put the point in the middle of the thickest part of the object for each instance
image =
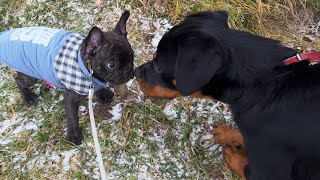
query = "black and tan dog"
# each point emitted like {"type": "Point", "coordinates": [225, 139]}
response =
{"type": "Point", "coordinates": [275, 106]}
{"type": "Point", "coordinates": [64, 59]}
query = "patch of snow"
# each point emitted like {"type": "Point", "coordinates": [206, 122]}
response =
{"type": "Point", "coordinates": [207, 137]}
{"type": "Point", "coordinates": [145, 155]}
{"type": "Point", "coordinates": [82, 108]}
{"type": "Point", "coordinates": [130, 82]}
{"type": "Point", "coordinates": [54, 157]}
{"type": "Point", "coordinates": [116, 111]}
{"type": "Point", "coordinates": [162, 26]}
{"type": "Point", "coordinates": [5, 142]}
{"type": "Point", "coordinates": [4, 125]}
{"type": "Point", "coordinates": [143, 172]}
{"type": "Point", "coordinates": [31, 126]}
{"type": "Point", "coordinates": [68, 157]}
{"type": "Point", "coordinates": [145, 23]}
{"type": "Point", "coordinates": [184, 117]}
{"type": "Point", "coordinates": [117, 139]}
{"type": "Point", "coordinates": [194, 137]}
{"type": "Point", "coordinates": [28, 126]}
{"type": "Point", "coordinates": [156, 39]}
{"type": "Point", "coordinates": [170, 111]}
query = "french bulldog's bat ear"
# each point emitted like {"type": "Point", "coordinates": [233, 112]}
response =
{"type": "Point", "coordinates": [121, 27]}
{"type": "Point", "coordinates": [93, 41]}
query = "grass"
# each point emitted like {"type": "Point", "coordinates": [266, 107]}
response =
{"type": "Point", "coordinates": [152, 139]}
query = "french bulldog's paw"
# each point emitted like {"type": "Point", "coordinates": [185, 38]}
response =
{"type": "Point", "coordinates": [105, 95]}
{"type": "Point", "coordinates": [30, 98]}
{"type": "Point", "coordinates": [225, 135]}
{"type": "Point", "coordinates": [75, 136]}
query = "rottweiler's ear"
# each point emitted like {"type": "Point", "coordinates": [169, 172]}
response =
{"type": "Point", "coordinates": [121, 27]}
{"type": "Point", "coordinates": [198, 60]}
{"type": "Point", "coordinates": [93, 41]}
{"type": "Point", "coordinates": [222, 15]}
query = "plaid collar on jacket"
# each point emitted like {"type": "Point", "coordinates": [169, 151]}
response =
{"type": "Point", "coordinates": [69, 72]}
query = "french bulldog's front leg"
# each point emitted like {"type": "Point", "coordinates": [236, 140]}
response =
{"type": "Point", "coordinates": [72, 102]}
{"type": "Point", "coordinates": [104, 95]}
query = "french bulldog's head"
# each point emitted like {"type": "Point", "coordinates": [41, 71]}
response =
{"type": "Point", "coordinates": [110, 53]}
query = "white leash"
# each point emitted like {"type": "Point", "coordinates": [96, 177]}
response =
{"type": "Point", "coordinates": [94, 133]}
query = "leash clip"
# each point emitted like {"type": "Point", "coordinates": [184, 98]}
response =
{"type": "Point", "coordinates": [91, 92]}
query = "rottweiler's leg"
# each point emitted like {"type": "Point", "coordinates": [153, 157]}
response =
{"type": "Point", "coordinates": [224, 135]}
{"type": "Point", "coordinates": [24, 82]}
{"type": "Point", "coordinates": [104, 95]}
{"type": "Point", "coordinates": [236, 160]}
{"type": "Point", "coordinates": [72, 102]}
{"type": "Point", "coordinates": [268, 161]}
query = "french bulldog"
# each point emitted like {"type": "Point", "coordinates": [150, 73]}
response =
{"type": "Point", "coordinates": [65, 59]}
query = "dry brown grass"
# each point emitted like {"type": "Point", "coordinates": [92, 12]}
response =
{"type": "Point", "coordinates": [278, 19]}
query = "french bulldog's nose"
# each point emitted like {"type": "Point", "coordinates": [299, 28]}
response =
{"type": "Point", "coordinates": [129, 73]}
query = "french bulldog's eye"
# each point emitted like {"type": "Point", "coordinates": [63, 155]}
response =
{"type": "Point", "coordinates": [111, 65]}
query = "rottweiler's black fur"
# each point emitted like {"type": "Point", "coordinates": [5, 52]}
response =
{"type": "Point", "coordinates": [274, 106]}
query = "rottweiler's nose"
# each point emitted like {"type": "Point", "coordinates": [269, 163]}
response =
{"type": "Point", "coordinates": [140, 71]}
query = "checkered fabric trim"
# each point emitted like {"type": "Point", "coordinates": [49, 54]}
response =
{"type": "Point", "coordinates": [66, 65]}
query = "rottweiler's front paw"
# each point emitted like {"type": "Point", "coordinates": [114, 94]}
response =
{"type": "Point", "coordinates": [30, 98]}
{"type": "Point", "coordinates": [236, 160]}
{"type": "Point", "coordinates": [75, 136]}
{"type": "Point", "coordinates": [224, 135]}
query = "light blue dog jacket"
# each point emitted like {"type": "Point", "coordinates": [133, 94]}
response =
{"type": "Point", "coordinates": [49, 54]}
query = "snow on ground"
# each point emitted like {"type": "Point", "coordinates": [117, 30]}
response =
{"type": "Point", "coordinates": [116, 111]}
{"type": "Point", "coordinates": [162, 26]}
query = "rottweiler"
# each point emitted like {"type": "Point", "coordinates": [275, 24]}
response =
{"type": "Point", "coordinates": [274, 104]}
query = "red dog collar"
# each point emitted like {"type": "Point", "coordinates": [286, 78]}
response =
{"type": "Point", "coordinates": [312, 56]}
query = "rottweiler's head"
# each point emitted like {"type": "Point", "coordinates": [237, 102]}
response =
{"type": "Point", "coordinates": [187, 57]}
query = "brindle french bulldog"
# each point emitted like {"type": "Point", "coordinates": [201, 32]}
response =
{"type": "Point", "coordinates": [64, 58]}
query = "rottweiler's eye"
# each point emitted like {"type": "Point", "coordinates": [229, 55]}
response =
{"type": "Point", "coordinates": [111, 65]}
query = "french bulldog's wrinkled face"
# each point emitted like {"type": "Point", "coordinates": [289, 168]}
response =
{"type": "Point", "coordinates": [110, 53]}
